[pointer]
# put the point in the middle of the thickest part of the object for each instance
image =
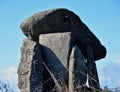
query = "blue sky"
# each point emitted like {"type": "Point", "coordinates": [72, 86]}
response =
{"type": "Point", "coordinates": [102, 17]}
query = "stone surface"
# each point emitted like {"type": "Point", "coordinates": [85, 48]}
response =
{"type": "Point", "coordinates": [63, 20]}
{"type": "Point", "coordinates": [30, 68]}
{"type": "Point", "coordinates": [59, 44]}
{"type": "Point", "coordinates": [93, 79]}
{"type": "Point", "coordinates": [39, 24]}
{"type": "Point", "coordinates": [77, 69]}
{"type": "Point", "coordinates": [55, 51]}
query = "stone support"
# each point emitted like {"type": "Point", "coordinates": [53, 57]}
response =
{"type": "Point", "coordinates": [30, 68]}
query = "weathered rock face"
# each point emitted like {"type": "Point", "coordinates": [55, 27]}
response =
{"type": "Point", "coordinates": [55, 49]}
{"type": "Point", "coordinates": [40, 60]}
{"type": "Point", "coordinates": [50, 21]}
{"type": "Point", "coordinates": [77, 69]}
{"type": "Point", "coordinates": [59, 44]}
{"type": "Point", "coordinates": [63, 20]}
{"type": "Point", "coordinates": [30, 70]}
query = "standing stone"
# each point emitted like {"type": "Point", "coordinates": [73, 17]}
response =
{"type": "Point", "coordinates": [77, 69]}
{"type": "Point", "coordinates": [30, 68]}
{"type": "Point", "coordinates": [93, 79]}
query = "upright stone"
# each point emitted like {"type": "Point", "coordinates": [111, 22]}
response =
{"type": "Point", "coordinates": [77, 69]}
{"type": "Point", "coordinates": [30, 68]}
{"type": "Point", "coordinates": [55, 50]}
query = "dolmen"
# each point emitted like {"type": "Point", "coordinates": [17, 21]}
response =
{"type": "Point", "coordinates": [58, 54]}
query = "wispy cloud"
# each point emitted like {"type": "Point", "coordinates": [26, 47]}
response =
{"type": "Point", "coordinates": [110, 81]}
{"type": "Point", "coordinates": [109, 75]}
{"type": "Point", "coordinates": [117, 61]}
{"type": "Point", "coordinates": [9, 76]}
{"type": "Point", "coordinates": [104, 78]}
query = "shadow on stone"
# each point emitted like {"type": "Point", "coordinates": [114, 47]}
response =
{"type": "Point", "coordinates": [55, 67]}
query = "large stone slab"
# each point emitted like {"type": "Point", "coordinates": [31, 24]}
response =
{"type": "Point", "coordinates": [56, 48]}
{"type": "Point", "coordinates": [49, 21]}
{"type": "Point", "coordinates": [58, 43]}
{"type": "Point", "coordinates": [30, 69]}
{"type": "Point", "coordinates": [63, 20]}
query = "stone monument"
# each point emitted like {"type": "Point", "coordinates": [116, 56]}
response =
{"type": "Point", "coordinates": [58, 54]}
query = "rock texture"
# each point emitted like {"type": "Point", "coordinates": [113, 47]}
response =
{"type": "Point", "coordinates": [59, 53]}
{"type": "Point", "coordinates": [55, 51]}
{"type": "Point", "coordinates": [49, 53]}
{"type": "Point", "coordinates": [59, 44]}
{"type": "Point", "coordinates": [77, 69]}
{"type": "Point", "coordinates": [30, 68]}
